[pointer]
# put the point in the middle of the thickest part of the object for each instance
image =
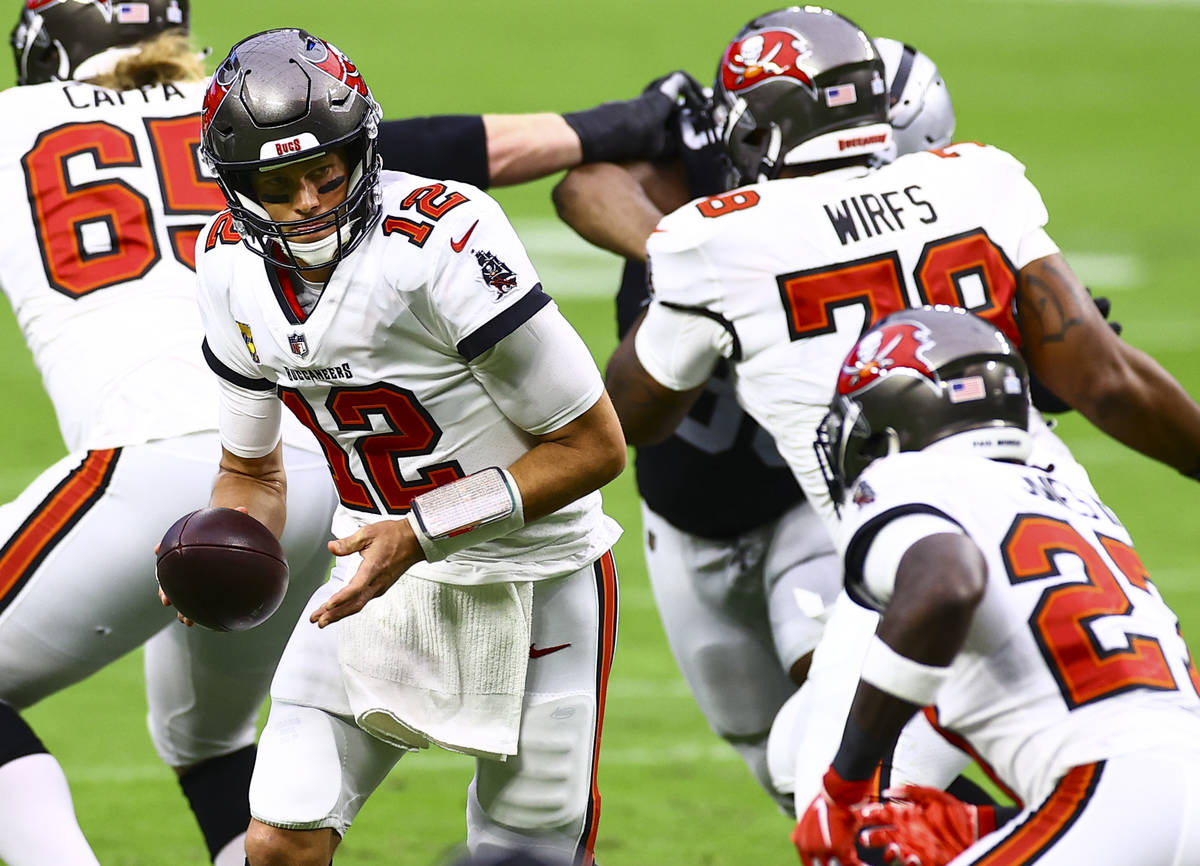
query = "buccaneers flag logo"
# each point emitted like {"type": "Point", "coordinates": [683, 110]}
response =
{"type": "Point", "coordinates": [900, 346]}
{"type": "Point", "coordinates": [765, 56]}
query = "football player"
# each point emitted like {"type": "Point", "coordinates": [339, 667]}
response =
{"type": "Point", "coordinates": [106, 198]}
{"type": "Point", "coordinates": [473, 599]}
{"type": "Point", "coordinates": [979, 560]}
{"type": "Point", "coordinates": [778, 278]}
{"type": "Point", "coordinates": [742, 589]}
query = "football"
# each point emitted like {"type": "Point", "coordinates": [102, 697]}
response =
{"type": "Point", "coordinates": [222, 569]}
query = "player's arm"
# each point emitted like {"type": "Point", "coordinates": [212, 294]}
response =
{"type": "Point", "coordinates": [1119, 388]}
{"type": "Point", "coordinates": [929, 596]}
{"type": "Point", "coordinates": [659, 369]}
{"type": "Point", "coordinates": [616, 207]}
{"type": "Point", "coordinates": [503, 149]}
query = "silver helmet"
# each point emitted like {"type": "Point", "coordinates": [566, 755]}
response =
{"type": "Point", "coordinates": [920, 109]}
{"type": "Point", "coordinates": [62, 40]}
{"type": "Point", "coordinates": [800, 85]}
{"type": "Point", "coordinates": [935, 375]}
{"type": "Point", "coordinates": [281, 97]}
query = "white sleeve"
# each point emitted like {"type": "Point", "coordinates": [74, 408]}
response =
{"type": "Point", "coordinates": [249, 420]}
{"type": "Point", "coordinates": [541, 375]}
{"type": "Point", "coordinates": [888, 547]}
{"type": "Point", "coordinates": [680, 348]}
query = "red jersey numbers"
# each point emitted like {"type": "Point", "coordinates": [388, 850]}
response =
{"type": "Point", "coordinates": [1062, 622]}
{"type": "Point", "coordinates": [99, 233]}
{"type": "Point", "coordinates": [409, 431]}
{"type": "Point", "coordinates": [966, 270]}
{"type": "Point", "coordinates": [91, 235]}
{"type": "Point", "coordinates": [222, 232]}
{"type": "Point", "coordinates": [430, 201]}
{"type": "Point", "coordinates": [719, 205]}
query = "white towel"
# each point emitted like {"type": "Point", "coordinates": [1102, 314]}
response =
{"type": "Point", "coordinates": [431, 662]}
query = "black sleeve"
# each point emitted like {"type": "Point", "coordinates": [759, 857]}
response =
{"type": "Point", "coordinates": [445, 146]}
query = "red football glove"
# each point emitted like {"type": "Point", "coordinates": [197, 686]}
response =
{"type": "Point", "coordinates": [917, 826]}
{"type": "Point", "coordinates": [825, 833]}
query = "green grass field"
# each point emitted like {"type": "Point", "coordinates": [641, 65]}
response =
{"type": "Point", "coordinates": [1097, 98]}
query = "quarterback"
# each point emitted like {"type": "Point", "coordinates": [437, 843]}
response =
{"type": "Point", "coordinates": [473, 601]}
{"type": "Point", "coordinates": [1015, 610]}
{"type": "Point", "coordinates": [742, 589]}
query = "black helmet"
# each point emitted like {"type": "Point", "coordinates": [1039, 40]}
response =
{"type": "Point", "coordinates": [282, 96]}
{"type": "Point", "coordinates": [61, 40]}
{"type": "Point", "coordinates": [802, 84]}
{"type": "Point", "coordinates": [919, 377]}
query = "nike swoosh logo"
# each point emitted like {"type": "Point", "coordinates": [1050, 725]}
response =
{"type": "Point", "coordinates": [458, 245]}
{"type": "Point", "coordinates": [535, 653]}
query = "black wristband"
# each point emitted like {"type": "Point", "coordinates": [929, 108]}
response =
{"type": "Point", "coordinates": [618, 131]}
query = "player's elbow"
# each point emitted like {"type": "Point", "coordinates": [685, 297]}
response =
{"type": "Point", "coordinates": [566, 195]}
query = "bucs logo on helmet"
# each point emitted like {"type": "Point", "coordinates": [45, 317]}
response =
{"type": "Point", "coordinates": [764, 56]}
{"type": "Point", "coordinates": [899, 346]}
{"type": "Point", "coordinates": [338, 65]}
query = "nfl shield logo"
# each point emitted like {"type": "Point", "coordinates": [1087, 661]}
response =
{"type": "Point", "coordinates": [298, 343]}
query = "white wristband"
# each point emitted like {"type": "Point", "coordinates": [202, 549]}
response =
{"type": "Point", "coordinates": [899, 675]}
{"type": "Point", "coordinates": [482, 506]}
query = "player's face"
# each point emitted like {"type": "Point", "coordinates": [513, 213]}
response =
{"type": "Point", "coordinates": [301, 190]}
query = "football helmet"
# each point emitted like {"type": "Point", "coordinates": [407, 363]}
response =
{"type": "Point", "coordinates": [280, 97]}
{"type": "Point", "coordinates": [800, 85]}
{"type": "Point", "coordinates": [934, 376]}
{"type": "Point", "coordinates": [64, 40]}
{"type": "Point", "coordinates": [920, 109]}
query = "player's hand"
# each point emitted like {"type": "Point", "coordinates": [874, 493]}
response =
{"type": "Point", "coordinates": [671, 96]}
{"type": "Point", "coordinates": [388, 549]}
{"type": "Point", "coordinates": [825, 835]}
{"type": "Point", "coordinates": [1045, 400]}
{"type": "Point", "coordinates": [916, 826]}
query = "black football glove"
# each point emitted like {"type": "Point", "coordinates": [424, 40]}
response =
{"type": "Point", "coordinates": [1045, 400]}
{"type": "Point", "coordinates": [644, 127]}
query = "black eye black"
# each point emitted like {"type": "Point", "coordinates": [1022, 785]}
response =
{"type": "Point", "coordinates": [330, 186]}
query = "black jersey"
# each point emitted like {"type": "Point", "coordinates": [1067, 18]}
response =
{"type": "Point", "coordinates": [719, 474]}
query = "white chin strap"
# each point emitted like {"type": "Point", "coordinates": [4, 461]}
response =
{"type": "Point", "coordinates": [321, 252]}
{"type": "Point", "coordinates": [995, 443]}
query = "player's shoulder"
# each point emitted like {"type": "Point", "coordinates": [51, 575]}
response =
{"type": "Point", "coordinates": [963, 157]}
{"type": "Point", "coordinates": [433, 200]}
{"type": "Point", "coordinates": [218, 246]}
{"type": "Point", "coordinates": [905, 482]}
{"type": "Point", "coordinates": [711, 220]}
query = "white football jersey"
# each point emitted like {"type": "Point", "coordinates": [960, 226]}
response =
{"type": "Point", "coordinates": [1072, 656]}
{"type": "Point", "coordinates": [383, 368]}
{"type": "Point", "coordinates": [795, 269]}
{"type": "Point", "coordinates": [105, 197]}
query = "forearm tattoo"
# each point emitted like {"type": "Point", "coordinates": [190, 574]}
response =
{"type": "Point", "coordinates": [1054, 301]}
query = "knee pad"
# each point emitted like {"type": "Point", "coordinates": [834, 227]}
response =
{"type": "Point", "coordinates": [17, 739]}
{"type": "Point", "coordinates": [548, 784]}
{"type": "Point", "coordinates": [739, 686]}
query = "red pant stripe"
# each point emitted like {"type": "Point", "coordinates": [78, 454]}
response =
{"type": "Point", "coordinates": [24, 551]}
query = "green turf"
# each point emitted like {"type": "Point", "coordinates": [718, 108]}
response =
{"type": "Point", "coordinates": [1093, 97]}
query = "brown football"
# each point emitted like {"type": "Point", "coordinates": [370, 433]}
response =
{"type": "Point", "coordinates": [222, 569]}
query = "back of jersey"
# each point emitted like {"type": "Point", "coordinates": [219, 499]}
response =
{"type": "Point", "coordinates": [105, 196]}
{"type": "Point", "coordinates": [1072, 656]}
{"type": "Point", "coordinates": [798, 268]}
